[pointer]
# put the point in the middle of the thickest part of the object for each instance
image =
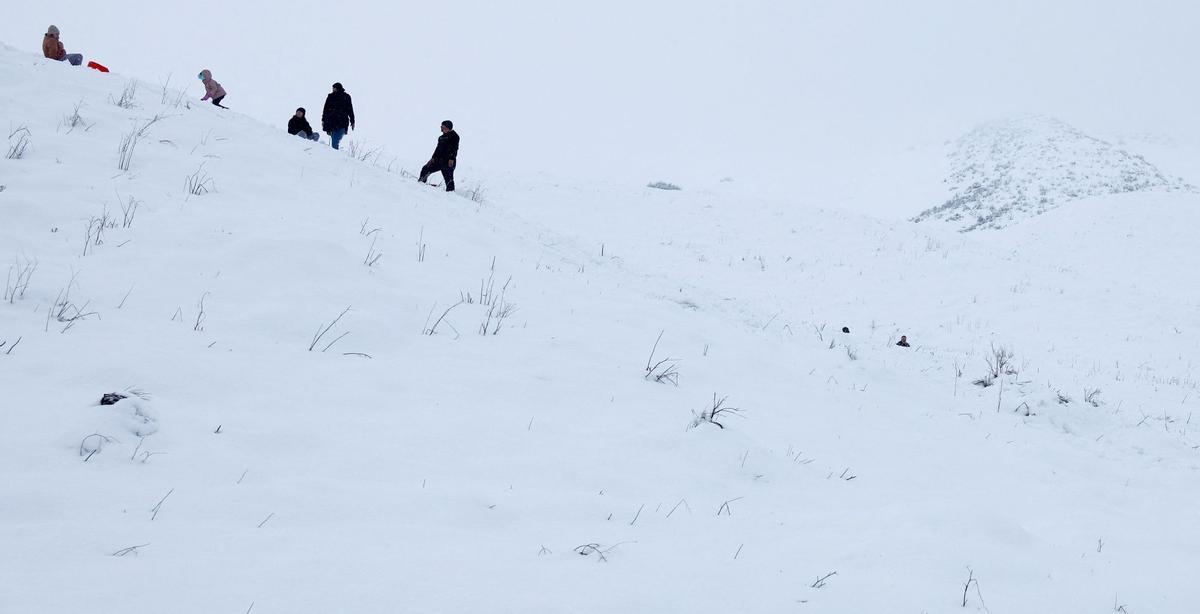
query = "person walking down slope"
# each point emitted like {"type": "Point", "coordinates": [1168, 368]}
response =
{"type": "Point", "coordinates": [338, 116]}
{"type": "Point", "coordinates": [212, 89]}
{"type": "Point", "coordinates": [53, 48]}
{"type": "Point", "coordinates": [298, 126]}
{"type": "Point", "coordinates": [445, 156]}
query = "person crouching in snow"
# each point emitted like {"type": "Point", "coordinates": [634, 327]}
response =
{"type": "Point", "coordinates": [298, 126]}
{"type": "Point", "coordinates": [53, 48]}
{"type": "Point", "coordinates": [212, 89]}
{"type": "Point", "coordinates": [445, 156]}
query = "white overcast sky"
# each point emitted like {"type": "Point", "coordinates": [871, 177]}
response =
{"type": "Point", "coordinates": [673, 88]}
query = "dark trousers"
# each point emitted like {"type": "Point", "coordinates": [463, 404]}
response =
{"type": "Point", "coordinates": [439, 166]}
{"type": "Point", "coordinates": [217, 101]}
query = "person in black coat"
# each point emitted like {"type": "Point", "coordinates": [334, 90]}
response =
{"type": "Point", "coordinates": [338, 115]}
{"type": "Point", "coordinates": [445, 156]}
{"type": "Point", "coordinates": [298, 126]}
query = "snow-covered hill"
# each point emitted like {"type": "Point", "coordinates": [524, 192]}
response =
{"type": "Point", "coordinates": [359, 394]}
{"type": "Point", "coordinates": [1009, 170]}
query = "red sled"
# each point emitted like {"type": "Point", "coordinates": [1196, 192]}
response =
{"type": "Point", "coordinates": [97, 66]}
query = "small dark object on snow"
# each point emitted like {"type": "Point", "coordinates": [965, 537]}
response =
{"type": "Point", "coordinates": [846, 329]}
{"type": "Point", "coordinates": [903, 341]}
{"type": "Point", "coordinates": [111, 398]}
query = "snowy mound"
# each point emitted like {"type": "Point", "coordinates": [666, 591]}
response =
{"type": "Point", "coordinates": [1009, 170]}
{"type": "Point", "coordinates": [344, 391]}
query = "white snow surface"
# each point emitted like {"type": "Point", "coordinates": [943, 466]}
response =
{"type": "Point", "coordinates": [388, 470]}
{"type": "Point", "coordinates": [1011, 169]}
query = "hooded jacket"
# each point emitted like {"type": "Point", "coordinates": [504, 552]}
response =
{"type": "Point", "coordinates": [338, 113]}
{"type": "Point", "coordinates": [53, 48]}
{"type": "Point", "coordinates": [296, 125]}
{"type": "Point", "coordinates": [212, 89]}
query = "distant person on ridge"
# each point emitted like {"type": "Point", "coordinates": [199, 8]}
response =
{"type": "Point", "coordinates": [445, 156]}
{"type": "Point", "coordinates": [53, 48]}
{"type": "Point", "coordinates": [212, 89]}
{"type": "Point", "coordinates": [298, 126]}
{"type": "Point", "coordinates": [903, 341]}
{"type": "Point", "coordinates": [338, 116]}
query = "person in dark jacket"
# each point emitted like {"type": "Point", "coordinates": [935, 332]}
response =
{"type": "Point", "coordinates": [445, 156]}
{"type": "Point", "coordinates": [338, 116]}
{"type": "Point", "coordinates": [298, 126]}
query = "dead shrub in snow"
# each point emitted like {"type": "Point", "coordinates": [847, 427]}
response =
{"type": "Point", "coordinates": [372, 256]}
{"type": "Point", "coordinates": [715, 413]}
{"type": "Point", "coordinates": [1091, 396]}
{"type": "Point", "coordinates": [475, 194]}
{"type": "Point", "coordinates": [129, 211]}
{"type": "Point", "coordinates": [4, 344]}
{"type": "Point", "coordinates": [1000, 362]}
{"type": "Point", "coordinates": [497, 313]}
{"type": "Point", "coordinates": [74, 120]}
{"type": "Point", "coordinates": [663, 185]}
{"type": "Point", "coordinates": [144, 128]}
{"type": "Point", "coordinates": [91, 445]}
{"type": "Point", "coordinates": [65, 310]}
{"type": "Point", "coordinates": [18, 143]}
{"type": "Point", "coordinates": [128, 98]}
{"type": "Point", "coordinates": [17, 281]}
{"type": "Point", "coordinates": [125, 150]}
{"type": "Point", "coordinates": [664, 371]}
{"type": "Point", "coordinates": [362, 152]}
{"type": "Point", "coordinates": [95, 229]}
{"type": "Point", "coordinates": [597, 550]}
{"type": "Point", "coordinates": [431, 330]}
{"type": "Point", "coordinates": [199, 182]}
{"type": "Point", "coordinates": [366, 223]}
{"type": "Point", "coordinates": [324, 330]}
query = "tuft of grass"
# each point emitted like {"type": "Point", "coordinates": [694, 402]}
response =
{"type": "Point", "coordinates": [18, 143]}
{"type": "Point", "coordinates": [128, 98]}
{"type": "Point", "coordinates": [715, 412]}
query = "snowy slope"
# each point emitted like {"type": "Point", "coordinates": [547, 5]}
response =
{"type": "Point", "coordinates": [1012, 169]}
{"type": "Point", "coordinates": [536, 469]}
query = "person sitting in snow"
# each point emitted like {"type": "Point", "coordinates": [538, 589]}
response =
{"type": "Point", "coordinates": [53, 48]}
{"type": "Point", "coordinates": [444, 157]}
{"type": "Point", "coordinates": [298, 126]}
{"type": "Point", "coordinates": [212, 89]}
{"type": "Point", "coordinates": [903, 341]}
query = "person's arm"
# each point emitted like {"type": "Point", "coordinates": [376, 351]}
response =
{"type": "Point", "coordinates": [62, 51]}
{"type": "Point", "coordinates": [350, 110]}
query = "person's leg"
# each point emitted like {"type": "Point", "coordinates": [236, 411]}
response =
{"type": "Point", "coordinates": [314, 137]}
{"type": "Point", "coordinates": [336, 137]}
{"type": "Point", "coordinates": [425, 171]}
{"type": "Point", "coordinates": [448, 175]}
{"type": "Point", "coordinates": [217, 102]}
{"type": "Point", "coordinates": [75, 58]}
